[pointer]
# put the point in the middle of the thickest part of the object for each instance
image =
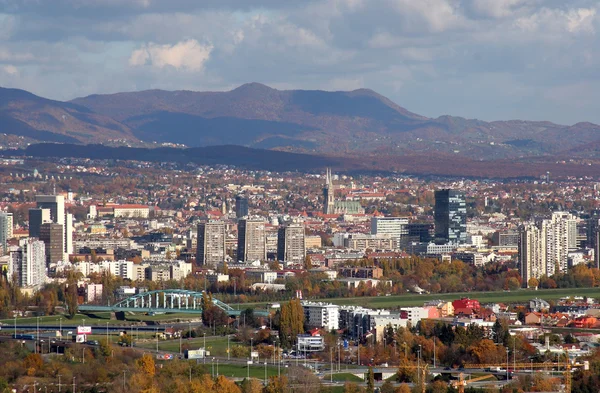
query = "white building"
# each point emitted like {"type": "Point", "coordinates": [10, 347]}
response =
{"type": "Point", "coordinates": [321, 315]}
{"type": "Point", "coordinates": [131, 211]}
{"type": "Point", "coordinates": [395, 227]}
{"type": "Point", "coordinates": [28, 263]}
{"type": "Point", "coordinates": [545, 246]}
{"type": "Point", "coordinates": [6, 229]}
{"type": "Point", "coordinates": [308, 343]}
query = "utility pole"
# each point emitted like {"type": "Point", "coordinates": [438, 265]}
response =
{"type": "Point", "coordinates": [74, 385]}
{"type": "Point", "coordinates": [433, 351]}
{"type": "Point", "coordinates": [124, 380]}
{"type": "Point", "coordinates": [58, 383]}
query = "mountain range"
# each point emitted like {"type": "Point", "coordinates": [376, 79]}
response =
{"type": "Point", "coordinates": [306, 121]}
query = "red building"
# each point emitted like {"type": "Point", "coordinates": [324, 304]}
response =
{"type": "Point", "coordinates": [466, 305]}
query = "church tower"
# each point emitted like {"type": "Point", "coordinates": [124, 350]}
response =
{"type": "Point", "coordinates": [328, 194]}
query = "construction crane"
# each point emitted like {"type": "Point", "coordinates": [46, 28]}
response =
{"type": "Point", "coordinates": [462, 382]}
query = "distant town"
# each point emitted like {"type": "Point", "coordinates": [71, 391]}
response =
{"type": "Point", "coordinates": [322, 280]}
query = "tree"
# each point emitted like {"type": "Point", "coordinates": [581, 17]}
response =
{"type": "Point", "coordinates": [278, 385]}
{"type": "Point", "coordinates": [291, 321]}
{"type": "Point", "coordinates": [146, 365]}
{"type": "Point", "coordinates": [370, 381]}
{"type": "Point", "coordinates": [251, 385]}
{"type": "Point", "coordinates": [387, 387]}
{"type": "Point", "coordinates": [533, 283]}
{"type": "Point", "coordinates": [71, 298]}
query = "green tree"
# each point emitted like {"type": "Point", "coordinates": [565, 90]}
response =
{"type": "Point", "coordinates": [370, 381]}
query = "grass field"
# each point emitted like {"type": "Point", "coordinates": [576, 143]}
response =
{"type": "Point", "coordinates": [98, 319]}
{"type": "Point", "coordinates": [217, 346]}
{"type": "Point", "coordinates": [521, 295]}
{"type": "Point", "coordinates": [345, 377]}
{"type": "Point", "coordinates": [256, 371]}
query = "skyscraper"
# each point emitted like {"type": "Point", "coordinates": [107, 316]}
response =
{"type": "Point", "coordinates": [291, 245]}
{"type": "Point", "coordinates": [211, 243]}
{"type": "Point", "coordinates": [28, 263]}
{"type": "Point", "coordinates": [37, 217]}
{"type": "Point", "coordinates": [6, 229]}
{"type": "Point", "coordinates": [252, 241]}
{"type": "Point", "coordinates": [241, 206]}
{"type": "Point", "coordinates": [52, 236]}
{"type": "Point", "coordinates": [450, 216]}
{"type": "Point", "coordinates": [58, 215]}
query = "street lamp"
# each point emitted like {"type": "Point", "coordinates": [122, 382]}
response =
{"type": "Point", "coordinates": [265, 373]}
{"type": "Point", "coordinates": [37, 336]}
{"type": "Point", "coordinates": [419, 366]}
{"type": "Point", "coordinates": [204, 348]}
{"type": "Point", "coordinates": [507, 364]}
{"type": "Point", "coordinates": [106, 333]}
{"type": "Point", "coordinates": [228, 352]}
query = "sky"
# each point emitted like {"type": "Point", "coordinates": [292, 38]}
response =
{"type": "Point", "coordinates": [485, 59]}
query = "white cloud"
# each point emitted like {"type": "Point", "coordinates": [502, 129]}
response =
{"type": "Point", "coordinates": [187, 55]}
{"type": "Point", "coordinates": [10, 70]}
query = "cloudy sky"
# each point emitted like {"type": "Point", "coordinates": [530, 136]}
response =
{"type": "Point", "coordinates": [486, 59]}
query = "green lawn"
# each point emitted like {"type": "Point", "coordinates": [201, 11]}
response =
{"type": "Point", "coordinates": [241, 371]}
{"type": "Point", "coordinates": [409, 299]}
{"type": "Point", "coordinates": [344, 377]}
{"type": "Point", "coordinates": [99, 319]}
{"type": "Point", "coordinates": [216, 345]}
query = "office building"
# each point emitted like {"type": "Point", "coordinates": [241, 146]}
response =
{"type": "Point", "coordinates": [52, 236]}
{"type": "Point", "coordinates": [211, 243]}
{"type": "Point", "coordinates": [252, 245]}
{"type": "Point", "coordinates": [450, 216]}
{"type": "Point", "coordinates": [545, 245]}
{"type": "Point", "coordinates": [241, 206]}
{"type": "Point", "coordinates": [291, 244]}
{"type": "Point", "coordinates": [28, 263]}
{"type": "Point", "coordinates": [394, 227]}
{"type": "Point", "coordinates": [420, 232]}
{"type": "Point", "coordinates": [6, 230]}
{"type": "Point", "coordinates": [58, 215]}
{"type": "Point", "coordinates": [37, 217]}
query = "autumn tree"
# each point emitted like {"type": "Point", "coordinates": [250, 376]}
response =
{"type": "Point", "coordinates": [291, 322]}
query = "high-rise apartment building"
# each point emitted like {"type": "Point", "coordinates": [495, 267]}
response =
{"type": "Point", "coordinates": [450, 214]}
{"type": "Point", "coordinates": [252, 244]}
{"type": "Point", "coordinates": [544, 246]}
{"type": "Point", "coordinates": [211, 243]}
{"type": "Point", "coordinates": [241, 206]}
{"type": "Point", "coordinates": [291, 244]}
{"type": "Point", "coordinates": [28, 263]}
{"type": "Point", "coordinates": [6, 229]}
{"type": "Point", "coordinates": [52, 236]}
{"type": "Point", "coordinates": [394, 227]}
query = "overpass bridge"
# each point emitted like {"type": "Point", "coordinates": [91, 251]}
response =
{"type": "Point", "coordinates": [165, 301]}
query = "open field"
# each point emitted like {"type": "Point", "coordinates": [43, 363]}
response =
{"type": "Point", "coordinates": [346, 377]}
{"type": "Point", "coordinates": [216, 345]}
{"type": "Point", "coordinates": [522, 295]}
{"type": "Point", "coordinates": [235, 371]}
{"type": "Point", "coordinates": [99, 319]}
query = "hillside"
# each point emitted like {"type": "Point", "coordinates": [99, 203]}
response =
{"type": "Point", "coordinates": [307, 121]}
{"type": "Point", "coordinates": [326, 122]}
{"type": "Point", "coordinates": [25, 114]}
